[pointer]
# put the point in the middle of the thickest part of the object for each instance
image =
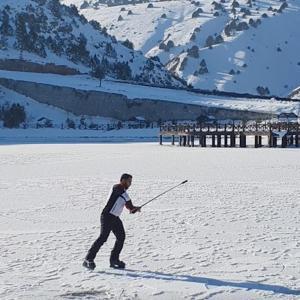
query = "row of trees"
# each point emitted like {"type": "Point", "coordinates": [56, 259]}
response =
{"type": "Point", "coordinates": [31, 27]}
{"type": "Point", "coordinates": [70, 124]}
{"type": "Point", "coordinates": [51, 27]}
{"type": "Point", "coordinates": [14, 116]}
{"type": "Point", "coordinates": [101, 68]}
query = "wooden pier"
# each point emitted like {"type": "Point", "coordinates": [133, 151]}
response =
{"type": "Point", "coordinates": [231, 135]}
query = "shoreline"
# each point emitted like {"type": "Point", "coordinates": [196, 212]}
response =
{"type": "Point", "coordinates": [68, 136]}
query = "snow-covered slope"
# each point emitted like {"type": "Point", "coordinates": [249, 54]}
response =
{"type": "Point", "coordinates": [45, 31]}
{"type": "Point", "coordinates": [35, 110]}
{"type": "Point", "coordinates": [87, 83]}
{"type": "Point", "coordinates": [257, 53]}
{"type": "Point", "coordinates": [295, 94]}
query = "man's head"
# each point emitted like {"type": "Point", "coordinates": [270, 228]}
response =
{"type": "Point", "coordinates": [126, 180]}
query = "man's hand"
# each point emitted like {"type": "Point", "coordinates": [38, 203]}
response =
{"type": "Point", "coordinates": [135, 209]}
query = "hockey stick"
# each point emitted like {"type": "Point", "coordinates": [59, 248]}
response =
{"type": "Point", "coordinates": [172, 188]}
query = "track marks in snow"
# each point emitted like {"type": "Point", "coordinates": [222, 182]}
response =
{"type": "Point", "coordinates": [207, 240]}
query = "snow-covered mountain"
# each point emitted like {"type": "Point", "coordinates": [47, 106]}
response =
{"type": "Point", "coordinates": [45, 31]}
{"type": "Point", "coordinates": [228, 45]}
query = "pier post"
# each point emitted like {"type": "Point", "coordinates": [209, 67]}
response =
{"type": "Point", "coordinates": [284, 141]}
{"type": "Point", "coordinates": [243, 140]}
{"type": "Point", "coordinates": [219, 141]}
{"type": "Point", "coordinates": [273, 141]}
{"type": "Point", "coordinates": [232, 140]}
{"type": "Point", "coordinates": [204, 141]}
{"type": "Point", "coordinates": [213, 140]}
{"type": "Point", "coordinates": [225, 140]}
{"type": "Point", "coordinates": [256, 141]}
{"type": "Point", "coordinates": [260, 141]}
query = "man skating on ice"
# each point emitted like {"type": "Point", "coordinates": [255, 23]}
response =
{"type": "Point", "coordinates": [110, 221]}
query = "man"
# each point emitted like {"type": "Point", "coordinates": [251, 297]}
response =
{"type": "Point", "coordinates": [110, 221]}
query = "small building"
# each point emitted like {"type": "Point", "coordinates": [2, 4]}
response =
{"type": "Point", "coordinates": [136, 122]}
{"type": "Point", "coordinates": [44, 122]}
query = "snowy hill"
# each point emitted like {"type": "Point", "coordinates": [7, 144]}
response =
{"type": "Point", "coordinates": [44, 31]}
{"type": "Point", "coordinates": [237, 46]}
{"type": "Point", "coordinates": [36, 110]}
{"type": "Point", "coordinates": [87, 83]}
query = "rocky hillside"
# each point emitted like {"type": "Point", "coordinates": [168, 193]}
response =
{"type": "Point", "coordinates": [47, 32]}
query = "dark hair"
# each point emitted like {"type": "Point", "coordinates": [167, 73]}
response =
{"type": "Point", "coordinates": [125, 176]}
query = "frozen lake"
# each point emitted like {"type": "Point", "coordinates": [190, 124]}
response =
{"type": "Point", "coordinates": [232, 232]}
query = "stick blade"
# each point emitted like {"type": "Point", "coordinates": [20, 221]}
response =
{"type": "Point", "coordinates": [183, 182]}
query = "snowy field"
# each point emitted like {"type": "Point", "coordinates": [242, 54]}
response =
{"type": "Point", "coordinates": [232, 232]}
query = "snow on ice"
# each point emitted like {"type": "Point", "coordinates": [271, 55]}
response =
{"type": "Point", "coordinates": [232, 232]}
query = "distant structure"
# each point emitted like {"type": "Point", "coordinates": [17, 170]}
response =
{"type": "Point", "coordinates": [232, 135]}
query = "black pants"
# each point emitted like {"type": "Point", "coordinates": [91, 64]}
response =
{"type": "Point", "coordinates": [108, 223]}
